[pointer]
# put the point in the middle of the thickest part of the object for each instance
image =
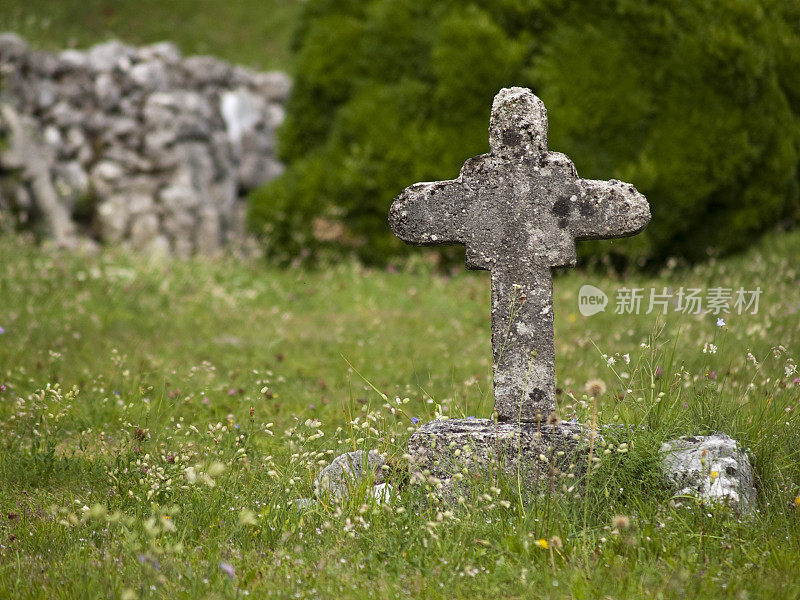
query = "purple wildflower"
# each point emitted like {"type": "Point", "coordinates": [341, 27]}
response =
{"type": "Point", "coordinates": [712, 375]}
{"type": "Point", "coordinates": [414, 420]}
{"type": "Point", "coordinates": [659, 372]}
{"type": "Point", "coordinates": [228, 569]}
{"type": "Point", "coordinates": [2, 331]}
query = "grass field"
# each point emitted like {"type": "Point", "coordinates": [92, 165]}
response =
{"type": "Point", "coordinates": [157, 419]}
{"type": "Point", "coordinates": [185, 404]}
{"type": "Point", "coordinates": [254, 33]}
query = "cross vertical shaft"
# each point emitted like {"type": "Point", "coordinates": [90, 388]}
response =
{"type": "Point", "coordinates": [522, 346]}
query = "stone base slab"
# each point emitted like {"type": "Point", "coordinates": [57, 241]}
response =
{"type": "Point", "coordinates": [450, 453]}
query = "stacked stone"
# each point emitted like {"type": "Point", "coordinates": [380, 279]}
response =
{"type": "Point", "coordinates": [138, 146]}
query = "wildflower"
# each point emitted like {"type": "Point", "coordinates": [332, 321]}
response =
{"type": "Point", "coordinates": [627, 358]}
{"type": "Point", "coordinates": [191, 474]}
{"type": "Point", "coordinates": [709, 348]}
{"type": "Point", "coordinates": [659, 372]}
{"type": "Point", "coordinates": [797, 501]}
{"type": "Point", "coordinates": [543, 543]}
{"type": "Point", "coordinates": [595, 388]}
{"type": "Point", "coordinates": [610, 361]}
{"type": "Point", "coordinates": [712, 375]}
{"type": "Point", "coordinates": [167, 524]}
{"type": "Point", "coordinates": [714, 475]}
{"type": "Point", "coordinates": [621, 522]}
{"type": "Point", "coordinates": [720, 322]}
{"type": "Point", "coordinates": [228, 569]}
{"type": "Point", "coordinates": [2, 331]}
{"type": "Point", "coordinates": [414, 420]}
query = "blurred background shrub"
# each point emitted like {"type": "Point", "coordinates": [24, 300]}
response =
{"type": "Point", "coordinates": [696, 102]}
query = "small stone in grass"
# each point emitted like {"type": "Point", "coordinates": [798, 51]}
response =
{"type": "Point", "coordinates": [347, 471]}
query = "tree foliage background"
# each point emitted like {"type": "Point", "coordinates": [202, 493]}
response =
{"type": "Point", "coordinates": [696, 102]}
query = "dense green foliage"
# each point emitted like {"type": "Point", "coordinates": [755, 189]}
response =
{"type": "Point", "coordinates": [697, 103]}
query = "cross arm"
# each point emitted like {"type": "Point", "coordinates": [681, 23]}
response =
{"type": "Point", "coordinates": [609, 209]}
{"type": "Point", "coordinates": [430, 214]}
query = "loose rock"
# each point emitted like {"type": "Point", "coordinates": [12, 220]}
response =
{"type": "Point", "coordinates": [712, 468]}
{"type": "Point", "coordinates": [347, 471]}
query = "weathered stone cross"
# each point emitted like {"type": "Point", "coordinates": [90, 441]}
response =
{"type": "Point", "coordinates": [518, 210]}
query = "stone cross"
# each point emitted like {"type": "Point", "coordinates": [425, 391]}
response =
{"type": "Point", "coordinates": [518, 210]}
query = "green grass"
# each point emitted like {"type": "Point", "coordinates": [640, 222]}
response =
{"type": "Point", "coordinates": [254, 33]}
{"type": "Point", "coordinates": [210, 393]}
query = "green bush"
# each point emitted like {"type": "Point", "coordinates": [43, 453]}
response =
{"type": "Point", "coordinates": [695, 102]}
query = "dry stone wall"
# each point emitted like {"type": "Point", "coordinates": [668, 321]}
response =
{"type": "Point", "coordinates": [137, 146]}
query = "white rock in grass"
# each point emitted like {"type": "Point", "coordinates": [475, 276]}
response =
{"type": "Point", "coordinates": [303, 503]}
{"type": "Point", "coordinates": [347, 471]}
{"type": "Point", "coordinates": [712, 468]}
{"type": "Point", "coordinates": [383, 493]}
